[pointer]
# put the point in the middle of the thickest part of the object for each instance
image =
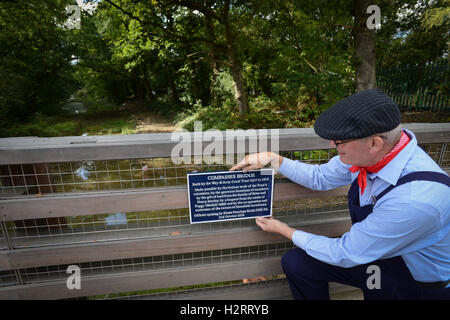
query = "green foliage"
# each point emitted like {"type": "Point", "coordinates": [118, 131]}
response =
{"type": "Point", "coordinates": [263, 114]}
{"type": "Point", "coordinates": [104, 123]}
{"type": "Point", "coordinates": [176, 58]}
{"type": "Point", "coordinates": [35, 56]}
{"type": "Point", "coordinates": [98, 107]}
{"type": "Point", "coordinates": [43, 127]}
{"type": "Point", "coordinates": [438, 15]}
{"type": "Point", "coordinates": [223, 88]}
{"type": "Point", "coordinates": [414, 32]}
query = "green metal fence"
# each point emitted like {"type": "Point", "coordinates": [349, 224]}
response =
{"type": "Point", "coordinates": [422, 87]}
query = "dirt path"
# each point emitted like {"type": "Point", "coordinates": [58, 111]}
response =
{"type": "Point", "coordinates": [147, 122]}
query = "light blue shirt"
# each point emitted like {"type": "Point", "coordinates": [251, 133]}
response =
{"type": "Point", "coordinates": [412, 220]}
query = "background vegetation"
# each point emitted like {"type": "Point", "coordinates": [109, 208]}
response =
{"type": "Point", "coordinates": [230, 64]}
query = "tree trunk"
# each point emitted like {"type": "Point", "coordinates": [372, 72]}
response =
{"type": "Point", "coordinates": [212, 57]}
{"type": "Point", "coordinates": [364, 48]}
{"type": "Point", "coordinates": [173, 91]}
{"type": "Point", "coordinates": [238, 81]}
{"type": "Point", "coordinates": [148, 92]}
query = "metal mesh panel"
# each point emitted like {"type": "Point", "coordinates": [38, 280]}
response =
{"type": "Point", "coordinates": [135, 225]}
{"type": "Point", "coordinates": [8, 278]}
{"type": "Point", "coordinates": [35, 180]}
{"type": "Point", "coordinates": [89, 269]}
{"type": "Point", "coordinates": [3, 243]}
{"type": "Point", "coordinates": [196, 291]}
{"type": "Point", "coordinates": [90, 176]}
{"type": "Point", "coordinates": [439, 152]}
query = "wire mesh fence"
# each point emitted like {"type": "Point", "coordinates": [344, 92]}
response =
{"type": "Point", "coordinates": [141, 264]}
{"type": "Point", "coordinates": [135, 225]}
{"type": "Point", "coordinates": [57, 179]}
{"type": "Point", "coordinates": [8, 278]}
{"type": "Point", "coordinates": [37, 180]}
{"type": "Point", "coordinates": [3, 244]}
{"type": "Point", "coordinates": [439, 152]}
{"type": "Point", "coordinates": [229, 288]}
{"type": "Point", "coordinates": [19, 180]}
{"type": "Point", "coordinates": [22, 181]}
{"type": "Point", "coordinates": [108, 176]}
{"type": "Point", "coordinates": [43, 180]}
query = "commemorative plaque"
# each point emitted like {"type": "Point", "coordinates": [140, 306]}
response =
{"type": "Point", "coordinates": [230, 195]}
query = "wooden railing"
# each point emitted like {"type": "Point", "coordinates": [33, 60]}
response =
{"type": "Point", "coordinates": [53, 214]}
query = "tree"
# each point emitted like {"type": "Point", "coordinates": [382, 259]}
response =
{"type": "Point", "coordinates": [212, 24]}
{"type": "Point", "coordinates": [437, 15]}
{"type": "Point", "coordinates": [35, 58]}
{"type": "Point", "coordinates": [301, 51]}
{"type": "Point", "coordinates": [364, 38]}
{"type": "Point", "coordinates": [412, 32]}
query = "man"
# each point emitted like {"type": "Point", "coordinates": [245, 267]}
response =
{"type": "Point", "coordinates": [399, 203]}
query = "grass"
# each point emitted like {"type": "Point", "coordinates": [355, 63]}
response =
{"type": "Point", "coordinates": [101, 118]}
{"type": "Point", "coordinates": [71, 125]}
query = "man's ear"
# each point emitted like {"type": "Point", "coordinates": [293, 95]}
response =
{"type": "Point", "coordinates": [376, 143]}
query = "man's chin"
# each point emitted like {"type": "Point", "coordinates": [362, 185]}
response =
{"type": "Point", "coordinates": [343, 158]}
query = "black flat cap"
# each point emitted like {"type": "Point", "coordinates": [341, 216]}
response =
{"type": "Point", "coordinates": [361, 115]}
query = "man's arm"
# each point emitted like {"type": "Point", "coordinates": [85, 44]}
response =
{"type": "Point", "coordinates": [399, 226]}
{"type": "Point", "coordinates": [275, 226]}
{"type": "Point", "coordinates": [407, 219]}
{"type": "Point", "coordinates": [327, 176]}
{"type": "Point", "coordinates": [330, 175]}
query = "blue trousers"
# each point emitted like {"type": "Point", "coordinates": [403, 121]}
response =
{"type": "Point", "coordinates": [308, 279]}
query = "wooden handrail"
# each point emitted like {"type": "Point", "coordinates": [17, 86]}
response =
{"type": "Point", "coordinates": [139, 146]}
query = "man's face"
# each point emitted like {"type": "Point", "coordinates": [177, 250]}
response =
{"type": "Point", "coordinates": [354, 152]}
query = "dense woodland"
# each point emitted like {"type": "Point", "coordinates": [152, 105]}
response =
{"type": "Point", "coordinates": [230, 63]}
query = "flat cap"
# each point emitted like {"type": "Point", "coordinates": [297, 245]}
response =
{"type": "Point", "coordinates": [360, 115]}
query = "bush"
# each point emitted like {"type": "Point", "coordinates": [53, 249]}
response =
{"type": "Point", "coordinates": [42, 127]}
{"type": "Point", "coordinates": [264, 114]}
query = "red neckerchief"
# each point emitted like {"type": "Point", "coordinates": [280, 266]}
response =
{"type": "Point", "coordinates": [362, 176]}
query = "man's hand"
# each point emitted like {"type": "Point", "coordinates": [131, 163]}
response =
{"type": "Point", "coordinates": [273, 225]}
{"type": "Point", "coordinates": [258, 160]}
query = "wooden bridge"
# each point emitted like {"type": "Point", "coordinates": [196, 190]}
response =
{"type": "Point", "coordinates": [117, 208]}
